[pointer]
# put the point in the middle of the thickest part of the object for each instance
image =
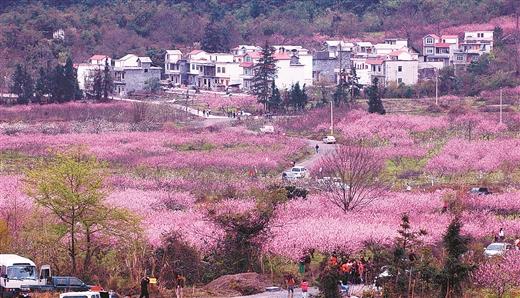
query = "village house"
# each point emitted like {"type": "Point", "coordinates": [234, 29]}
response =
{"type": "Point", "coordinates": [326, 64]}
{"type": "Point", "coordinates": [86, 71]}
{"type": "Point", "coordinates": [175, 67]}
{"type": "Point", "coordinates": [475, 44]}
{"type": "Point", "coordinates": [133, 73]}
{"type": "Point", "coordinates": [293, 65]}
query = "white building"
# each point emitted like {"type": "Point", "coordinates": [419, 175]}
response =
{"type": "Point", "coordinates": [86, 71]}
{"type": "Point", "coordinates": [172, 66]}
{"type": "Point", "coordinates": [133, 73]}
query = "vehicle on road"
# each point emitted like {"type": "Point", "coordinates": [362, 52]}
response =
{"type": "Point", "coordinates": [480, 191]}
{"type": "Point", "coordinates": [63, 284]}
{"type": "Point", "coordinates": [296, 172]}
{"type": "Point", "coordinates": [497, 249]}
{"type": "Point", "coordinates": [329, 140]}
{"type": "Point", "coordinates": [17, 274]}
{"type": "Point", "coordinates": [335, 182]}
{"type": "Point", "coordinates": [267, 129]}
{"type": "Point", "coordinates": [87, 294]}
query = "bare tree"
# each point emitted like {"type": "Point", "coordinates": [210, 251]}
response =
{"type": "Point", "coordinates": [352, 176]}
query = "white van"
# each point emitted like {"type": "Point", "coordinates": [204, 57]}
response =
{"type": "Point", "coordinates": [81, 295]}
{"type": "Point", "coordinates": [18, 273]}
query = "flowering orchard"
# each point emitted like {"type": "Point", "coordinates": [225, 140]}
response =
{"type": "Point", "coordinates": [177, 178]}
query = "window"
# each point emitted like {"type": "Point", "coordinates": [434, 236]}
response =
{"type": "Point", "coordinates": [399, 80]}
{"type": "Point", "coordinates": [379, 68]}
{"type": "Point", "coordinates": [366, 66]}
{"type": "Point", "coordinates": [399, 68]}
{"type": "Point", "coordinates": [146, 70]}
{"type": "Point", "coordinates": [218, 69]}
{"type": "Point", "coordinates": [193, 67]}
{"type": "Point", "coordinates": [429, 40]}
{"type": "Point", "coordinates": [460, 58]}
{"type": "Point", "coordinates": [429, 51]}
{"type": "Point", "coordinates": [223, 70]}
{"type": "Point", "coordinates": [480, 34]}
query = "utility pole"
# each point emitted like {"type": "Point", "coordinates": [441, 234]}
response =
{"type": "Point", "coordinates": [331, 118]}
{"type": "Point", "coordinates": [436, 87]}
{"type": "Point", "coordinates": [501, 106]}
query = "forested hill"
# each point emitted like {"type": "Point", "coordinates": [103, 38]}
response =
{"type": "Point", "coordinates": [148, 27]}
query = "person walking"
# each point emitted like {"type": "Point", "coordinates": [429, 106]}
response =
{"type": "Point", "coordinates": [180, 281]}
{"type": "Point", "coordinates": [290, 286]}
{"type": "Point", "coordinates": [304, 285]}
{"type": "Point", "coordinates": [501, 234]}
{"type": "Point", "coordinates": [317, 147]}
{"type": "Point", "coordinates": [144, 287]}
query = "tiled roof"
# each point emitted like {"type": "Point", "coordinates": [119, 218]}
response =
{"type": "Point", "coordinates": [375, 61]}
{"type": "Point", "coordinates": [195, 52]}
{"type": "Point", "coordinates": [449, 36]}
{"type": "Point", "coordinates": [433, 35]}
{"type": "Point", "coordinates": [98, 57]}
{"type": "Point", "coordinates": [442, 45]}
{"type": "Point", "coordinates": [246, 64]}
{"type": "Point", "coordinates": [281, 56]}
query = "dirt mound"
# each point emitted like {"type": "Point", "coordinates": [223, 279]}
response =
{"type": "Point", "coordinates": [238, 284]}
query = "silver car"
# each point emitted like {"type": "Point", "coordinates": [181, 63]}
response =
{"type": "Point", "coordinates": [497, 249]}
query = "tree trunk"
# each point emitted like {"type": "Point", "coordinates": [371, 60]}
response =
{"type": "Point", "coordinates": [72, 248]}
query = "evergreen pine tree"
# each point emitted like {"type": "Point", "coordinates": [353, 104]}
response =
{"type": "Point", "coordinates": [108, 83]}
{"type": "Point", "coordinates": [265, 73]}
{"type": "Point", "coordinates": [97, 85]}
{"type": "Point", "coordinates": [57, 87]}
{"type": "Point", "coordinates": [17, 81]}
{"type": "Point", "coordinates": [28, 88]}
{"type": "Point", "coordinates": [69, 82]}
{"type": "Point", "coordinates": [275, 101]}
{"type": "Point", "coordinates": [353, 84]}
{"type": "Point", "coordinates": [42, 86]}
{"type": "Point", "coordinates": [375, 104]}
{"type": "Point", "coordinates": [454, 271]}
{"type": "Point", "coordinates": [22, 85]}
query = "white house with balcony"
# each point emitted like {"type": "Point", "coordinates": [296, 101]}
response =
{"type": "Point", "coordinates": [86, 71]}
{"type": "Point", "coordinates": [172, 66]}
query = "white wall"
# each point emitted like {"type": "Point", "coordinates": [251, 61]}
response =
{"type": "Point", "coordinates": [288, 74]}
{"type": "Point", "coordinates": [409, 73]}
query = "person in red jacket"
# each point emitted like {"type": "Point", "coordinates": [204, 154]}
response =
{"type": "Point", "coordinates": [304, 285]}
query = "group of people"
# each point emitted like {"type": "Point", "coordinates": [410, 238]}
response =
{"type": "Point", "coordinates": [290, 282]}
{"type": "Point", "coordinates": [351, 271]}
{"type": "Point", "coordinates": [180, 283]}
{"type": "Point", "coordinates": [206, 113]}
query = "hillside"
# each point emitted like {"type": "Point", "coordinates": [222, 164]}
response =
{"type": "Point", "coordinates": [146, 27]}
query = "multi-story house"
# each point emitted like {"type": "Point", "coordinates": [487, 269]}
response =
{"type": "Point", "coordinates": [220, 72]}
{"type": "Point", "coordinates": [334, 47]}
{"type": "Point", "coordinates": [390, 45]}
{"type": "Point", "coordinates": [477, 42]}
{"type": "Point", "coordinates": [293, 64]}
{"type": "Point", "coordinates": [326, 64]}
{"type": "Point", "coordinates": [86, 71]}
{"type": "Point", "coordinates": [132, 73]}
{"type": "Point", "coordinates": [364, 48]}
{"type": "Point", "coordinates": [438, 52]}
{"type": "Point", "coordinates": [175, 67]}
{"type": "Point", "coordinates": [401, 67]}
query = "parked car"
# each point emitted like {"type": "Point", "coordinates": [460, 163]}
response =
{"type": "Point", "coordinates": [497, 249]}
{"type": "Point", "coordinates": [296, 172]}
{"type": "Point", "coordinates": [267, 129]}
{"type": "Point", "coordinates": [329, 140]}
{"type": "Point", "coordinates": [87, 294]}
{"type": "Point", "coordinates": [480, 191]}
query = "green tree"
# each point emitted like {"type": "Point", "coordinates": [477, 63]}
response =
{"type": "Point", "coordinates": [275, 101]}
{"type": "Point", "coordinates": [70, 186]}
{"type": "Point", "coordinates": [57, 87]}
{"type": "Point", "coordinates": [448, 81]}
{"type": "Point", "coordinates": [353, 84]}
{"type": "Point", "coordinates": [42, 87]}
{"type": "Point", "coordinates": [264, 74]}
{"type": "Point", "coordinates": [298, 96]}
{"type": "Point", "coordinates": [108, 82]}
{"type": "Point", "coordinates": [96, 85]}
{"type": "Point", "coordinates": [22, 85]}
{"type": "Point", "coordinates": [375, 104]}
{"type": "Point", "coordinates": [454, 272]}
{"type": "Point", "coordinates": [216, 38]}
{"type": "Point", "coordinates": [69, 84]}
{"type": "Point", "coordinates": [152, 85]}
